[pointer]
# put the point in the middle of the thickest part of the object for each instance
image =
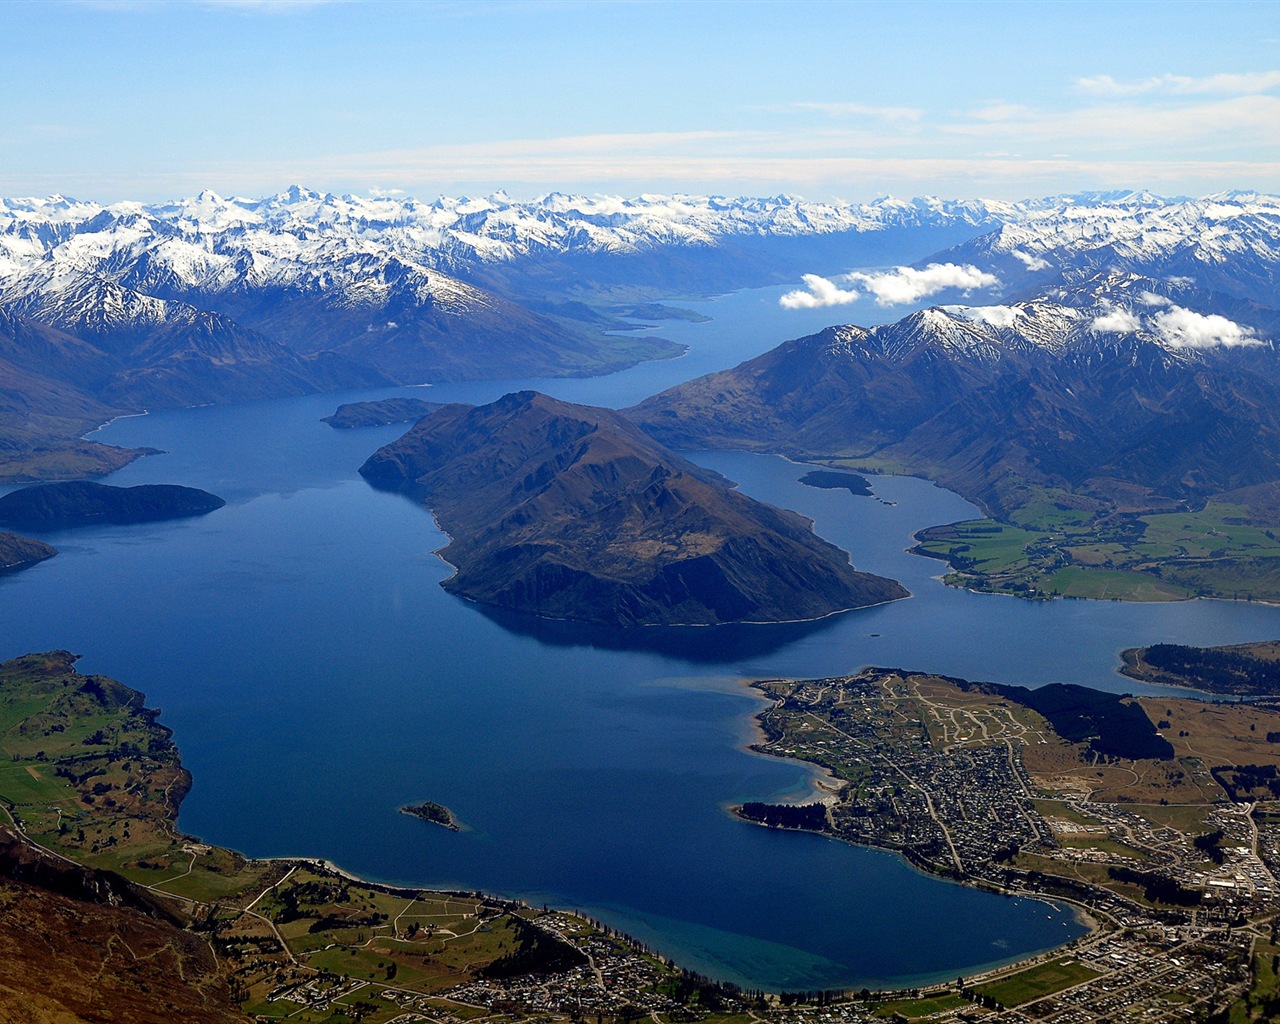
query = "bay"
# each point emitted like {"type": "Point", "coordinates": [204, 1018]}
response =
{"type": "Point", "coordinates": [317, 678]}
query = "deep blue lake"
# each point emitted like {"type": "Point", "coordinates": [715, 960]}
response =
{"type": "Point", "coordinates": [317, 678]}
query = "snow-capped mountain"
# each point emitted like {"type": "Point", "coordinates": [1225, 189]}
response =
{"type": "Point", "coordinates": [1100, 398]}
{"type": "Point", "coordinates": [203, 235]}
{"type": "Point", "coordinates": [1228, 243]}
{"type": "Point", "coordinates": [213, 244]}
{"type": "Point", "coordinates": [352, 266]}
{"type": "Point", "coordinates": [212, 299]}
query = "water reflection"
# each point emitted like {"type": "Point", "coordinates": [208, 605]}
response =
{"type": "Point", "coordinates": [706, 645]}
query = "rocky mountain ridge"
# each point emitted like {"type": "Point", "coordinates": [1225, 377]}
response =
{"type": "Point", "coordinates": [1133, 396]}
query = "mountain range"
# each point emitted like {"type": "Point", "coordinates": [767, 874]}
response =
{"type": "Point", "coordinates": [1114, 390]}
{"type": "Point", "coordinates": [118, 308]}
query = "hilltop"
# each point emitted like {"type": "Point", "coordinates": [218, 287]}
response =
{"type": "Point", "coordinates": [568, 511]}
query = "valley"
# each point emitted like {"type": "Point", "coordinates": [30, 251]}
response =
{"type": "Point", "coordinates": [1120, 452]}
{"type": "Point", "coordinates": [676, 512]}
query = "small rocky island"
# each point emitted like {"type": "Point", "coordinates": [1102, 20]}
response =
{"type": "Point", "coordinates": [83, 503]}
{"type": "Point", "coordinates": [433, 812]}
{"type": "Point", "coordinates": [380, 413]}
{"type": "Point", "coordinates": [572, 512]}
{"type": "Point", "coordinates": [831, 480]}
{"type": "Point", "coordinates": [18, 552]}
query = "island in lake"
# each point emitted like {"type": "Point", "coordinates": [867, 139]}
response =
{"type": "Point", "coordinates": [18, 552]}
{"type": "Point", "coordinates": [832, 480]}
{"type": "Point", "coordinates": [433, 812]}
{"type": "Point", "coordinates": [380, 413]}
{"type": "Point", "coordinates": [84, 503]}
{"type": "Point", "coordinates": [572, 512]}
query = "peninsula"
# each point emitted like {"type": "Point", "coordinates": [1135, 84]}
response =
{"type": "Point", "coordinates": [380, 413]}
{"type": "Point", "coordinates": [1235, 670]}
{"type": "Point", "coordinates": [84, 503]}
{"type": "Point", "coordinates": [18, 552]}
{"type": "Point", "coordinates": [571, 512]}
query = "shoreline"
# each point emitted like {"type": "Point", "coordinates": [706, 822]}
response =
{"type": "Point", "coordinates": [824, 785]}
{"type": "Point", "coordinates": [826, 789]}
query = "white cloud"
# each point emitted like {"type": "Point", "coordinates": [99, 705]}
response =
{"type": "Point", "coordinates": [1118, 321]}
{"type": "Point", "coordinates": [996, 316]}
{"type": "Point", "coordinates": [1102, 127]}
{"type": "Point", "coordinates": [907, 284]}
{"type": "Point", "coordinates": [1184, 328]}
{"type": "Point", "coordinates": [822, 292]}
{"type": "Point", "coordinates": [1120, 148]}
{"type": "Point", "coordinates": [895, 287]}
{"type": "Point", "coordinates": [1032, 263]}
{"type": "Point", "coordinates": [1175, 326]}
{"type": "Point", "coordinates": [1002, 112]}
{"type": "Point", "coordinates": [1238, 84]}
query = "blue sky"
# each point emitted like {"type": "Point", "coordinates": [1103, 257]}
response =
{"type": "Point", "coordinates": [152, 100]}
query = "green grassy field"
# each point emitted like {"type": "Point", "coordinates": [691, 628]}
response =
{"type": "Point", "coordinates": [1053, 548]}
{"type": "Point", "coordinates": [1262, 1001]}
{"type": "Point", "coordinates": [913, 1009]}
{"type": "Point", "coordinates": [89, 773]}
{"type": "Point", "coordinates": [1038, 982]}
{"type": "Point", "coordinates": [1189, 820]}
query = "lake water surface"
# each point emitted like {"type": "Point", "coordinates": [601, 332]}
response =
{"type": "Point", "coordinates": [317, 678]}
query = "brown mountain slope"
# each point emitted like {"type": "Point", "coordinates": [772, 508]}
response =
{"type": "Point", "coordinates": [570, 512]}
{"type": "Point", "coordinates": [81, 945]}
{"type": "Point", "coordinates": [41, 420]}
{"type": "Point", "coordinates": [990, 408]}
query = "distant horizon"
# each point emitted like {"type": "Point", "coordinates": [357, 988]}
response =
{"type": "Point", "coordinates": [148, 99]}
{"type": "Point", "coordinates": [507, 195]}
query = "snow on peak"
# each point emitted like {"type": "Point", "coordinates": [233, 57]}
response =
{"type": "Point", "coordinates": [302, 238]}
{"type": "Point", "coordinates": [996, 316]}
